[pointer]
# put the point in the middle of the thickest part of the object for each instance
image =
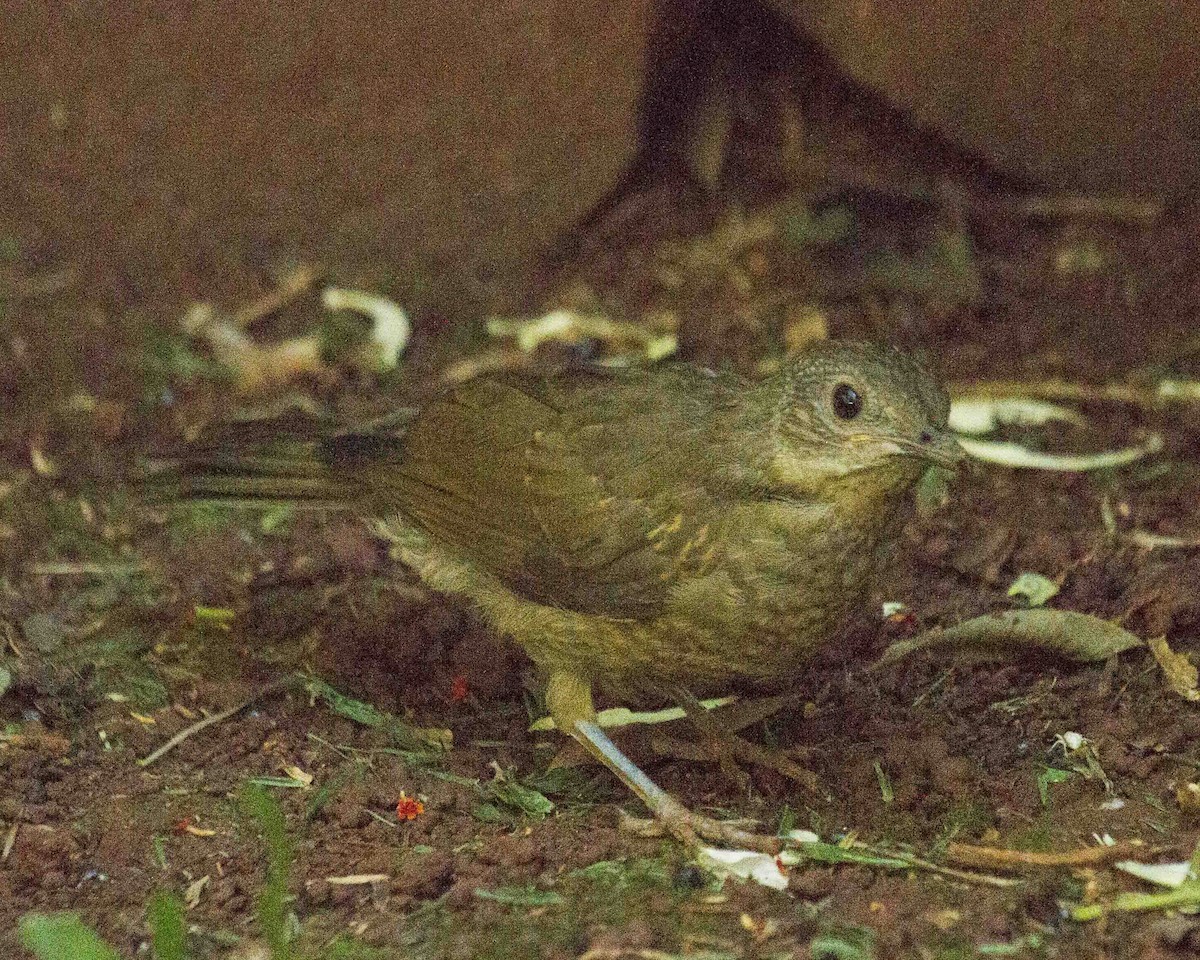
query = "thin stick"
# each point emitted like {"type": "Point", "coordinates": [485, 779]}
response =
{"type": "Point", "coordinates": [967, 876]}
{"type": "Point", "coordinates": [10, 841]}
{"type": "Point", "coordinates": [185, 734]}
{"type": "Point", "coordinates": [293, 284]}
{"type": "Point", "coordinates": [999, 858]}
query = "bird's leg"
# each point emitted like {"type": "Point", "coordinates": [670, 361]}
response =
{"type": "Point", "coordinates": [728, 748]}
{"type": "Point", "coordinates": [569, 698]}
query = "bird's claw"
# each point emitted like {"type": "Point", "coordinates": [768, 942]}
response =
{"type": "Point", "coordinates": [694, 830]}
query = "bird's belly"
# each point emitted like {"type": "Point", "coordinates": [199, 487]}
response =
{"type": "Point", "coordinates": [755, 619]}
{"type": "Point", "coordinates": [779, 597]}
{"type": "Point", "coordinates": [778, 631]}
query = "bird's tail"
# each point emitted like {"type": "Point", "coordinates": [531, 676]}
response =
{"type": "Point", "coordinates": [258, 480]}
{"type": "Point", "coordinates": [260, 464]}
{"type": "Point", "coordinates": [245, 469]}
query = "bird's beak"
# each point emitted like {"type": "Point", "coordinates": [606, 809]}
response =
{"type": "Point", "coordinates": [940, 447]}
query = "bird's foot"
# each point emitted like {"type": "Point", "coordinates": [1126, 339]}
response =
{"type": "Point", "coordinates": [719, 737]}
{"type": "Point", "coordinates": [730, 752]}
{"type": "Point", "coordinates": [693, 829]}
{"type": "Point", "coordinates": [570, 702]}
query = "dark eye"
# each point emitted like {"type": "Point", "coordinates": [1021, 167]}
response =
{"type": "Point", "coordinates": [847, 403]}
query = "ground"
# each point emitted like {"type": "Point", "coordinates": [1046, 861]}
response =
{"type": "Point", "coordinates": [125, 621]}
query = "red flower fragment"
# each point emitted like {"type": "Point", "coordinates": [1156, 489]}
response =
{"type": "Point", "coordinates": [458, 688]}
{"type": "Point", "coordinates": [409, 808]}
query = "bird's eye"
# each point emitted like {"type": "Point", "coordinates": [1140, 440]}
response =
{"type": "Point", "coordinates": [847, 402]}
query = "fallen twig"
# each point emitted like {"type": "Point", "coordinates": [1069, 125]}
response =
{"type": "Point", "coordinates": [67, 568]}
{"type": "Point", "coordinates": [999, 858]}
{"type": "Point", "coordinates": [291, 285]}
{"type": "Point", "coordinates": [10, 841]}
{"type": "Point", "coordinates": [187, 733]}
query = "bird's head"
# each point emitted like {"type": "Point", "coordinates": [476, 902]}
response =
{"type": "Point", "coordinates": [847, 413]}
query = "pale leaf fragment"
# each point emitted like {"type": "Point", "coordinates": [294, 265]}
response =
{"type": "Point", "coordinates": [980, 415]}
{"type": "Point", "coordinates": [571, 327]}
{"type": "Point", "coordinates": [303, 776]}
{"type": "Point", "coordinates": [1019, 457]}
{"type": "Point", "coordinates": [744, 864]}
{"type": "Point", "coordinates": [357, 879]}
{"type": "Point", "coordinates": [390, 326]}
{"type": "Point", "coordinates": [1035, 588]}
{"type": "Point", "coordinates": [1172, 875]}
{"type": "Point", "coordinates": [191, 896]}
{"type": "Point", "coordinates": [624, 717]}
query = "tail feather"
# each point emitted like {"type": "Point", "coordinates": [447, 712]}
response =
{"type": "Point", "coordinates": [255, 481]}
{"type": "Point", "coordinates": [258, 464]}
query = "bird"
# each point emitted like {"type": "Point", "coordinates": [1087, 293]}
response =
{"type": "Point", "coordinates": [644, 531]}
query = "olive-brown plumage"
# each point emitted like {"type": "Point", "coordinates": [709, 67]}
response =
{"type": "Point", "coordinates": [648, 529]}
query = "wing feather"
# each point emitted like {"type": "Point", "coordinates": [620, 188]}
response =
{"type": "Point", "coordinates": [566, 492]}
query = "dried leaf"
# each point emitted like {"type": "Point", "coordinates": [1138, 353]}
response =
{"type": "Point", "coordinates": [1180, 674]}
{"type": "Point", "coordinates": [980, 415]}
{"type": "Point", "coordinates": [1022, 458]}
{"type": "Point", "coordinates": [1187, 795]}
{"type": "Point", "coordinates": [1077, 636]}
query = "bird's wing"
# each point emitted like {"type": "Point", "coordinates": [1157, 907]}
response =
{"type": "Point", "coordinates": [591, 498]}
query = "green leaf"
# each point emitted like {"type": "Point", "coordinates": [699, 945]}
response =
{"type": "Point", "coordinates": [846, 943]}
{"type": "Point", "coordinates": [272, 902]}
{"type": "Point", "coordinates": [1035, 588]}
{"type": "Point", "coordinates": [168, 929]}
{"type": "Point", "coordinates": [344, 706]}
{"type": "Point", "coordinates": [831, 853]}
{"type": "Point", "coordinates": [488, 813]}
{"type": "Point", "coordinates": [528, 801]}
{"type": "Point", "coordinates": [521, 896]}
{"type": "Point", "coordinates": [416, 738]}
{"type": "Point", "coordinates": [63, 936]}
{"type": "Point", "coordinates": [885, 783]}
{"type": "Point", "coordinates": [277, 519]}
{"type": "Point", "coordinates": [289, 783]}
{"type": "Point", "coordinates": [1048, 776]}
{"type": "Point", "coordinates": [219, 618]}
